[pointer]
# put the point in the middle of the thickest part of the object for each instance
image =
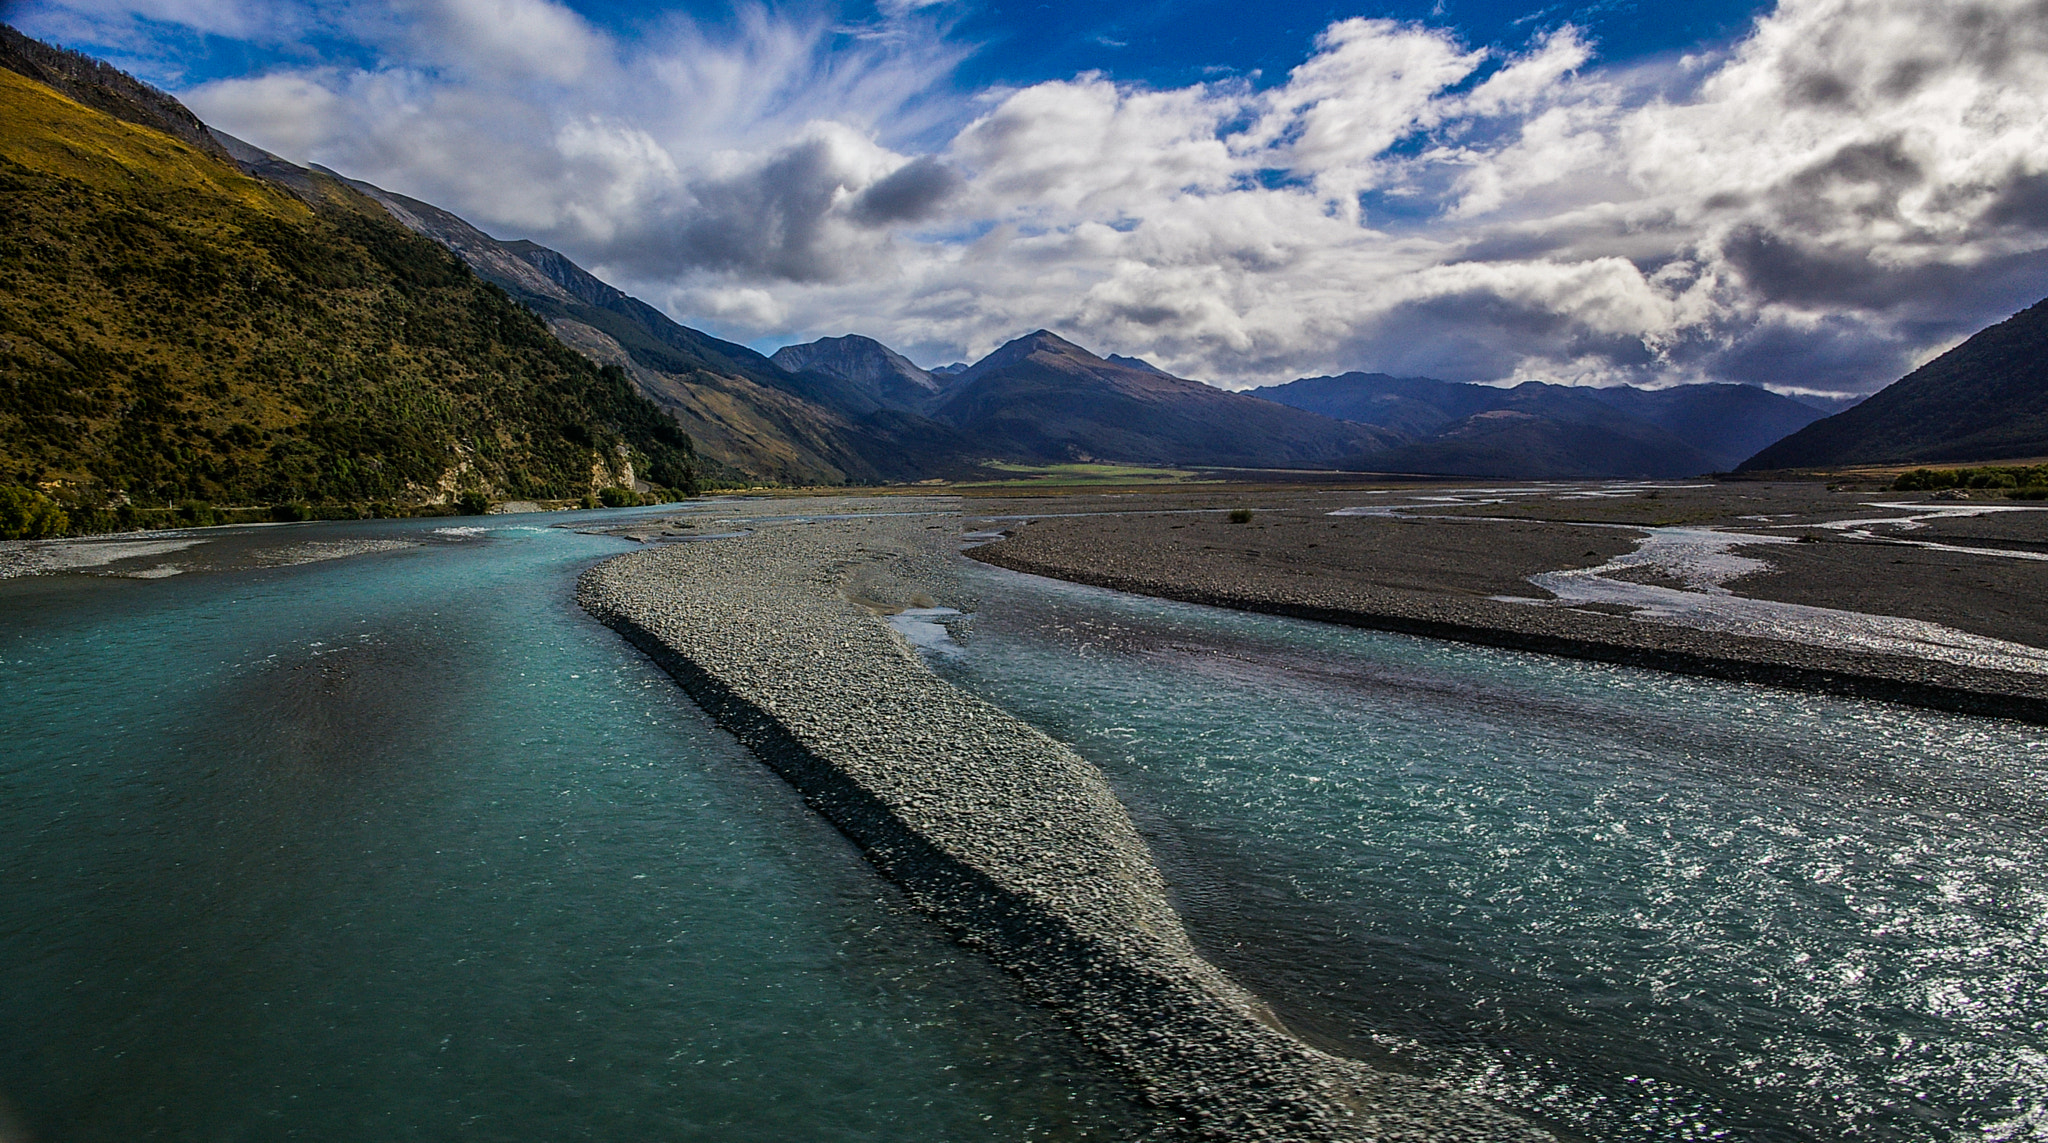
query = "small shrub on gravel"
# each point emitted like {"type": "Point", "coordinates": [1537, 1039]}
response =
{"type": "Point", "coordinates": [1240, 515]}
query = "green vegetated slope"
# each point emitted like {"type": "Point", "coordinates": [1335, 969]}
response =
{"type": "Point", "coordinates": [172, 329]}
{"type": "Point", "coordinates": [1986, 399]}
{"type": "Point", "coordinates": [752, 419]}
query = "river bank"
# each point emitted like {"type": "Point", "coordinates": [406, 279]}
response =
{"type": "Point", "coordinates": [1007, 837]}
{"type": "Point", "coordinates": [1930, 605]}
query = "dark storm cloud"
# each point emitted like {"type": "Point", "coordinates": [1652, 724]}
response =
{"type": "Point", "coordinates": [915, 191]}
{"type": "Point", "coordinates": [2022, 202]}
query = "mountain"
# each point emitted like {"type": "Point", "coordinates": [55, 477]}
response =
{"type": "Point", "coordinates": [1541, 431]}
{"type": "Point", "coordinates": [748, 415]}
{"type": "Point", "coordinates": [175, 330]}
{"type": "Point", "coordinates": [1986, 399]}
{"type": "Point", "coordinates": [1727, 422]}
{"type": "Point", "coordinates": [1513, 444]}
{"type": "Point", "coordinates": [877, 372]}
{"type": "Point", "coordinates": [1043, 398]}
{"type": "Point", "coordinates": [1411, 406]}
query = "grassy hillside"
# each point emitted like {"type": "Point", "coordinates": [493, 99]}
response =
{"type": "Point", "coordinates": [172, 330]}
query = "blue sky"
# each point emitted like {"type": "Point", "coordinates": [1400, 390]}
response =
{"type": "Point", "coordinates": [1809, 194]}
{"type": "Point", "coordinates": [1023, 41]}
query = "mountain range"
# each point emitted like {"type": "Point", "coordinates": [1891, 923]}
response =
{"type": "Point", "coordinates": [188, 316]}
{"type": "Point", "coordinates": [1543, 431]}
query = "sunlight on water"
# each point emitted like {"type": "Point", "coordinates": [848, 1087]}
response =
{"type": "Point", "coordinates": [1639, 905]}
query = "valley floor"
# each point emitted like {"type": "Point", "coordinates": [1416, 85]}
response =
{"type": "Point", "coordinates": [1883, 595]}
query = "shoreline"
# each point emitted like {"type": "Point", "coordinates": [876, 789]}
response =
{"type": "Point", "coordinates": [1791, 666]}
{"type": "Point", "coordinates": [1007, 838]}
{"type": "Point", "coordinates": [1924, 604]}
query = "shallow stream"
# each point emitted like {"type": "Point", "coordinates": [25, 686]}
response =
{"type": "Point", "coordinates": [1637, 905]}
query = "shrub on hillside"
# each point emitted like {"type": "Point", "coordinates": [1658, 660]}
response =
{"type": "Point", "coordinates": [30, 515]}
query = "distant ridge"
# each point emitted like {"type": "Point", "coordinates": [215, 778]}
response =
{"type": "Point", "coordinates": [1986, 399]}
{"type": "Point", "coordinates": [1542, 431]}
{"type": "Point", "coordinates": [103, 87]}
{"type": "Point", "coordinates": [1136, 363]}
{"type": "Point", "coordinates": [1043, 398]}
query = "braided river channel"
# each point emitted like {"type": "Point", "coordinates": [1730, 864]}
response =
{"type": "Point", "coordinates": [401, 845]}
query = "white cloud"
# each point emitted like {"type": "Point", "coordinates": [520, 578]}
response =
{"type": "Point", "coordinates": [524, 38]}
{"type": "Point", "coordinates": [1854, 183]}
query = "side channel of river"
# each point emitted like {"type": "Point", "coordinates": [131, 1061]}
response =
{"type": "Point", "coordinates": [1635, 905]}
{"type": "Point", "coordinates": [402, 845]}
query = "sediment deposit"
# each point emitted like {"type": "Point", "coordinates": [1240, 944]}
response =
{"type": "Point", "coordinates": [1415, 568]}
{"type": "Point", "coordinates": [1003, 835]}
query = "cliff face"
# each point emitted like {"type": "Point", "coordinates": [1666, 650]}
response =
{"type": "Point", "coordinates": [173, 329]}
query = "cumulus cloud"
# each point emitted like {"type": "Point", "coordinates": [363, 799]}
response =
{"type": "Point", "coordinates": [1852, 185]}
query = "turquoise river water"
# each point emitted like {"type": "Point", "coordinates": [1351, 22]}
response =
{"type": "Point", "coordinates": [1636, 905]}
{"type": "Point", "coordinates": [404, 846]}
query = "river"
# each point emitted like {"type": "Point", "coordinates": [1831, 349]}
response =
{"type": "Point", "coordinates": [1635, 905]}
{"type": "Point", "coordinates": [402, 845]}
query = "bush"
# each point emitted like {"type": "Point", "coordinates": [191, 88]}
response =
{"type": "Point", "coordinates": [29, 515]}
{"type": "Point", "coordinates": [290, 511]}
{"type": "Point", "coordinates": [1933, 479]}
{"type": "Point", "coordinates": [198, 513]}
{"type": "Point", "coordinates": [1240, 515]}
{"type": "Point", "coordinates": [473, 503]}
{"type": "Point", "coordinates": [616, 497]}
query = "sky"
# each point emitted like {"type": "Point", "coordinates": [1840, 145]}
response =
{"type": "Point", "coordinates": [1814, 195]}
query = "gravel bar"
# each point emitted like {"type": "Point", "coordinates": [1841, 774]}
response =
{"type": "Point", "coordinates": [1006, 837]}
{"type": "Point", "coordinates": [1274, 583]}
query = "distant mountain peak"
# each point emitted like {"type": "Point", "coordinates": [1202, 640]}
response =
{"type": "Point", "coordinates": [1042, 344]}
{"type": "Point", "coordinates": [879, 373]}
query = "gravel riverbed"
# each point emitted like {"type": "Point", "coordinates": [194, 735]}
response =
{"type": "Point", "coordinates": [1006, 837]}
